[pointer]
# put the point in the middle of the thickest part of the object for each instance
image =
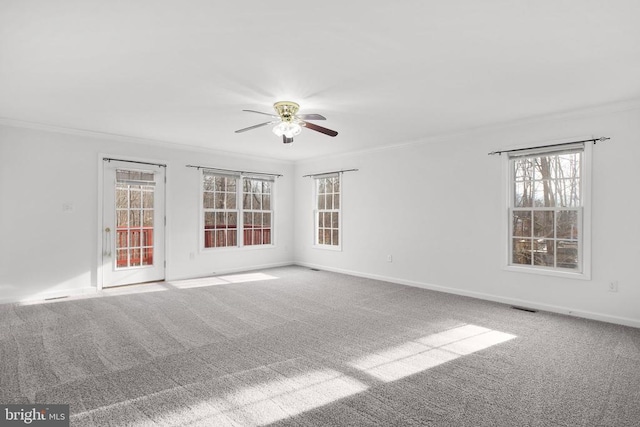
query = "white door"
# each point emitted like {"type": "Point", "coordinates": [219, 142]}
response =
{"type": "Point", "coordinates": [133, 223]}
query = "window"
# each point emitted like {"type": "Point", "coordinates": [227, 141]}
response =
{"type": "Point", "coordinates": [547, 210]}
{"type": "Point", "coordinates": [257, 211]}
{"type": "Point", "coordinates": [229, 223]}
{"type": "Point", "coordinates": [327, 214]}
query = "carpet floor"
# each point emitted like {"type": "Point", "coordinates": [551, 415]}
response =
{"type": "Point", "coordinates": [295, 347]}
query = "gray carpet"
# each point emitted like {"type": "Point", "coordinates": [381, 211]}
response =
{"type": "Point", "coordinates": [291, 346]}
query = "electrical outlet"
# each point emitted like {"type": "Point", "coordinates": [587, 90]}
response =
{"type": "Point", "coordinates": [389, 258]}
{"type": "Point", "coordinates": [613, 286]}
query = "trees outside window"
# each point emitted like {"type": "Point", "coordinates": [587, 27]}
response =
{"type": "Point", "coordinates": [237, 211]}
{"type": "Point", "coordinates": [547, 209]}
{"type": "Point", "coordinates": [327, 212]}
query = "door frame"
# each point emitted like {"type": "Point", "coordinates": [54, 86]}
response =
{"type": "Point", "coordinates": [100, 207]}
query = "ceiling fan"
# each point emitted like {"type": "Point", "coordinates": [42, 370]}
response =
{"type": "Point", "coordinates": [288, 123]}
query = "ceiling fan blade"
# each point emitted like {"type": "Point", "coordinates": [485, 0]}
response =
{"type": "Point", "coordinates": [287, 140]}
{"type": "Point", "coordinates": [260, 112]}
{"type": "Point", "coordinates": [255, 126]}
{"type": "Point", "coordinates": [320, 129]}
{"type": "Point", "coordinates": [311, 117]}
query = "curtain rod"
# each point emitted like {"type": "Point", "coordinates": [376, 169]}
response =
{"type": "Point", "coordinates": [595, 141]}
{"type": "Point", "coordinates": [109, 159]}
{"type": "Point", "coordinates": [327, 173]}
{"type": "Point", "coordinates": [235, 171]}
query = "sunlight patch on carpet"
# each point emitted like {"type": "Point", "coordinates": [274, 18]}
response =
{"type": "Point", "coordinates": [221, 280]}
{"type": "Point", "coordinates": [427, 352]}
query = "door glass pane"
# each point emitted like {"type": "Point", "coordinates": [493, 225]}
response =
{"type": "Point", "coordinates": [134, 221]}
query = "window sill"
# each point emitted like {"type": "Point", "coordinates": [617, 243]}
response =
{"type": "Point", "coordinates": [547, 272]}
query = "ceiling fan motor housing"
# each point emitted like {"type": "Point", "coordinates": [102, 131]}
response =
{"type": "Point", "coordinates": [286, 110]}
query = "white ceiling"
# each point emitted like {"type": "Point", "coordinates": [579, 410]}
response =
{"type": "Point", "coordinates": [383, 73]}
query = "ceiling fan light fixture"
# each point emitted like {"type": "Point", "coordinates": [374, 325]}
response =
{"type": "Point", "coordinates": [288, 129]}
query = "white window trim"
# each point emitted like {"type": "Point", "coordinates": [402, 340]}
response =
{"type": "Point", "coordinates": [316, 211]}
{"type": "Point", "coordinates": [585, 273]}
{"type": "Point", "coordinates": [240, 236]}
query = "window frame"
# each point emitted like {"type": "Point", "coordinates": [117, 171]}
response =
{"type": "Point", "coordinates": [317, 211]}
{"type": "Point", "coordinates": [240, 211]}
{"type": "Point", "coordinates": [584, 220]}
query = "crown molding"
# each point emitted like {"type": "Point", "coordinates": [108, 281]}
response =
{"type": "Point", "coordinates": [591, 111]}
{"type": "Point", "coordinates": [131, 139]}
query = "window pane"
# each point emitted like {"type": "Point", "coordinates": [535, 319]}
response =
{"type": "Point", "coordinates": [257, 219]}
{"type": "Point", "coordinates": [329, 201]}
{"type": "Point", "coordinates": [266, 220]}
{"type": "Point", "coordinates": [320, 220]}
{"type": "Point", "coordinates": [567, 253]}
{"type": "Point", "coordinates": [147, 237]}
{"type": "Point", "coordinates": [135, 199]}
{"type": "Point", "coordinates": [334, 237]}
{"type": "Point", "coordinates": [522, 223]}
{"type": "Point", "coordinates": [232, 239]}
{"type": "Point", "coordinates": [147, 198]}
{"type": "Point", "coordinates": [231, 185]}
{"type": "Point", "coordinates": [327, 236]}
{"type": "Point", "coordinates": [567, 226]}
{"type": "Point", "coordinates": [134, 218]}
{"type": "Point", "coordinates": [523, 169]}
{"type": "Point", "coordinates": [567, 193]}
{"type": "Point", "coordinates": [134, 238]}
{"type": "Point", "coordinates": [320, 236]}
{"type": "Point", "coordinates": [336, 201]}
{"type": "Point", "coordinates": [221, 238]}
{"type": "Point", "coordinates": [543, 252]}
{"type": "Point", "coordinates": [207, 200]}
{"type": "Point", "coordinates": [266, 202]}
{"type": "Point", "coordinates": [246, 201]}
{"type": "Point", "coordinates": [220, 220]}
{"type": "Point", "coordinates": [209, 220]}
{"type": "Point", "coordinates": [329, 185]}
{"type": "Point", "coordinates": [247, 218]}
{"type": "Point", "coordinates": [232, 220]}
{"type": "Point", "coordinates": [122, 259]}
{"type": "Point", "coordinates": [134, 257]}
{"type": "Point", "coordinates": [521, 251]}
{"type": "Point", "coordinates": [122, 218]}
{"type": "Point", "coordinates": [231, 200]}
{"type": "Point", "coordinates": [523, 196]}
{"type": "Point", "coordinates": [321, 186]}
{"type": "Point", "coordinates": [208, 239]}
{"type": "Point", "coordinates": [220, 183]}
{"type": "Point", "coordinates": [219, 201]}
{"type": "Point", "coordinates": [321, 203]}
{"type": "Point", "coordinates": [147, 256]}
{"type": "Point", "coordinates": [543, 223]}
{"type": "Point", "coordinates": [207, 184]}
{"type": "Point", "coordinates": [327, 219]}
{"type": "Point", "coordinates": [334, 220]}
{"type": "Point", "coordinates": [336, 185]}
{"type": "Point", "coordinates": [122, 198]}
{"type": "Point", "coordinates": [148, 218]}
{"type": "Point", "coordinates": [256, 202]}
{"type": "Point", "coordinates": [545, 193]}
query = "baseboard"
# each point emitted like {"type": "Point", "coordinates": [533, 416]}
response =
{"type": "Point", "coordinates": [51, 295]}
{"type": "Point", "coordinates": [484, 296]}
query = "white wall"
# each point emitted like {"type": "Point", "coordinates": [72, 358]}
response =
{"type": "Point", "coordinates": [47, 252]}
{"type": "Point", "coordinates": [436, 206]}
